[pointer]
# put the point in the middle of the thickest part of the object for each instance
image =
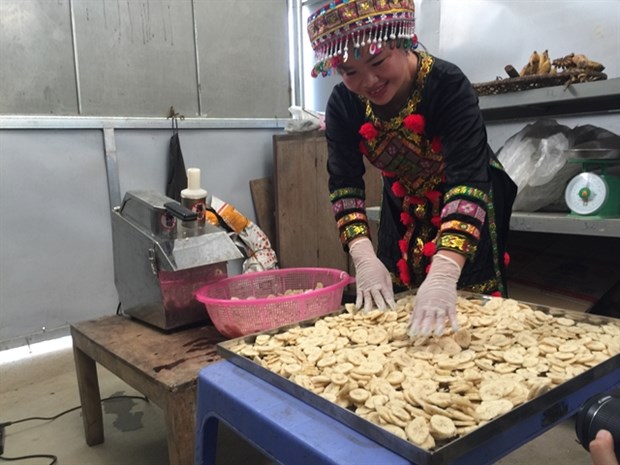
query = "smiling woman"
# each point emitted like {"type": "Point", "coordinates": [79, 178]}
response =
{"type": "Point", "coordinates": [446, 198]}
{"type": "Point", "coordinates": [384, 77]}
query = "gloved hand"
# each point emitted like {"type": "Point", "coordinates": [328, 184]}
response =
{"type": "Point", "coordinates": [372, 278]}
{"type": "Point", "coordinates": [436, 299]}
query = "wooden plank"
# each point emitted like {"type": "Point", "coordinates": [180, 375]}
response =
{"type": "Point", "coordinates": [306, 232]}
{"type": "Point", "coordinates": [330, 253]}
{"type": "Point", "coordinates": [264, 206]}
{"type": "Point", "coordinates": [295, 168]}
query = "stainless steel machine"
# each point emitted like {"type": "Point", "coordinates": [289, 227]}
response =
{"type": "Point", "coordinates": [159, 262]}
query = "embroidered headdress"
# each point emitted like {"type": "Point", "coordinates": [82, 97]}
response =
{"type": "Point", "coordinates": [340, 23]}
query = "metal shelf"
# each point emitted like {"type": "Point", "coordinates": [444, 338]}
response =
{"type": "Point", "coordinates": [586, 97]}
{"type": "Point", "coordinates": [581, 98]}
{"type": "Point", "coordinates": [564, 223]}
{"type": "Point", "coordinates": [554, 223]}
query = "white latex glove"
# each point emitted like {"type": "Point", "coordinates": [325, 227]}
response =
{"type": "Point", "coordinates": [436, 299]}
{"type": "Point", "coordinates": [372, 279]}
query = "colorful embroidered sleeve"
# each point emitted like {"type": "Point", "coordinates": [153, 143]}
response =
{"type": "Point", "coordinates": [345, 165]}
{"type": "Point", "coordinates": [349, 209]}
{"type": "Point", "coordinates": [454, 117]}
{"type": "Point", "coordinates": [462, 219]}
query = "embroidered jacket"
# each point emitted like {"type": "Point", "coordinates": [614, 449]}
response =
{"type": "Point", "coordinates": [443, 186]}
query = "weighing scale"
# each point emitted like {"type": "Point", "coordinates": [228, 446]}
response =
{"type": "Point", "coordinates": [594, 194]}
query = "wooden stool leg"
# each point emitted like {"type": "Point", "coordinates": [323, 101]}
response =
{"type": "Point", "coordinates": [90, 397]}
{"type": "Point", "coordinates": [180, 426]}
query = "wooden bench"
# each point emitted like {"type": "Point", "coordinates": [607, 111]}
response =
{"type": "Point", "coordinates": [162, 366]}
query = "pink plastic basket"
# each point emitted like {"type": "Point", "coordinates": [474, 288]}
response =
{"type": "Point", "coordinates": [259, 302]}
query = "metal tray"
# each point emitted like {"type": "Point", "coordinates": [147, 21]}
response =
{"type": "Point", "coordinates": [487, 443]}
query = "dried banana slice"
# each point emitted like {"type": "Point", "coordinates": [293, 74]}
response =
{"type": "Point", "coordinates": [463, 338]}
{"type": "Point", "coordinates": [339, 379]}
{"type": "Point", "coordinates": [489, 409]}
{"type": "Point", "coordinates": [442, 427]}
{"type": "Point", "coordinates": [396, 430]}
{"type": "Point", "coordinates": [417, 431]}
{"type": "Point", "coordinates": [512, 356]}
{"type": "Point", "coordinates": [359, 395]}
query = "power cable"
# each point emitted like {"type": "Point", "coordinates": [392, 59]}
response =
{"type": "Point", "coordinates": [53, 458]}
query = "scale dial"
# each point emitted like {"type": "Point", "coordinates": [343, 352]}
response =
{"type": "Point", "coordinates": [586, 193]}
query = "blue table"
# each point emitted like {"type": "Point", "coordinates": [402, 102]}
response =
{"type": "Point", "coordinates": [280, 425]}
{"type": "Point", "coordinates": [292, 432]}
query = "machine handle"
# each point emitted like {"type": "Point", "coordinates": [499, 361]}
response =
{"type": "Point", "coordinates": [181, 212]}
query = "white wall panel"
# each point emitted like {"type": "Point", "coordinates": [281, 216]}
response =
{"type": "Point", "coordinates": [56, 262]}
{"type": "Point", "coordinates": [243, 53]}
{"type": "Point", "coordinates": [36, 58]}
{"type": "Point", "coordinates": [136, 57]}
{"type": "Point", "coordinates": [56, 243]}
{"type": "Point", "coordinates": [483, 36]}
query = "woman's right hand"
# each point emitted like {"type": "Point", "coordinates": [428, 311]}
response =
{"type": "Point", "coordinates": [372, 279]}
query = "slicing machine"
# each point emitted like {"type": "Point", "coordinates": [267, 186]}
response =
{"type": "Point", "coordinates": [159, 262]}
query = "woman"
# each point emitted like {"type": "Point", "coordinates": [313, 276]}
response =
{"type": "Point", "coordinates": [446, 200]}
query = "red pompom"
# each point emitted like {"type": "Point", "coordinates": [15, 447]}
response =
{"type": "Point", "coordinates": [417, 200]}
{"type": "Point", "coordinates": [506, 259]}
{"type": "Point", "coordinates": [368, 131]}
{"type": "Point", "coordinates": [428, 250]}
{"type": "Point", "coordinates": [436, 220]}
{"type": "Point", "coordinates": [402, 245]}
{"type": "Point", "coordinates": [433, 196]}
{"type": "Point", "coordinates": [496, 294]}
{"type": "Point", "coordinates": [436, 144]}
{"type": "Point", "coordinates": [398, 189]}
{"type": "Point", "coordinates": [363, 148]}
{"type": "Point", "coordinates": [403, 271]}
{"type": "Point", "coordinates": [406, 218]}
{"type": "Point", "coordinates": [337, 61]}
{"type": "Point", "coordinates": [415, 123]}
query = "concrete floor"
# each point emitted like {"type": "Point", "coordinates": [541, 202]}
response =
{"type": "Point", "coordinates": [45, 385]}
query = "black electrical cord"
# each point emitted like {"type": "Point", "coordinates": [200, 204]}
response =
{"type": "Point", "coordinates": [50, 456]}
{"type": "Point", "coordinates": [25, 457]}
